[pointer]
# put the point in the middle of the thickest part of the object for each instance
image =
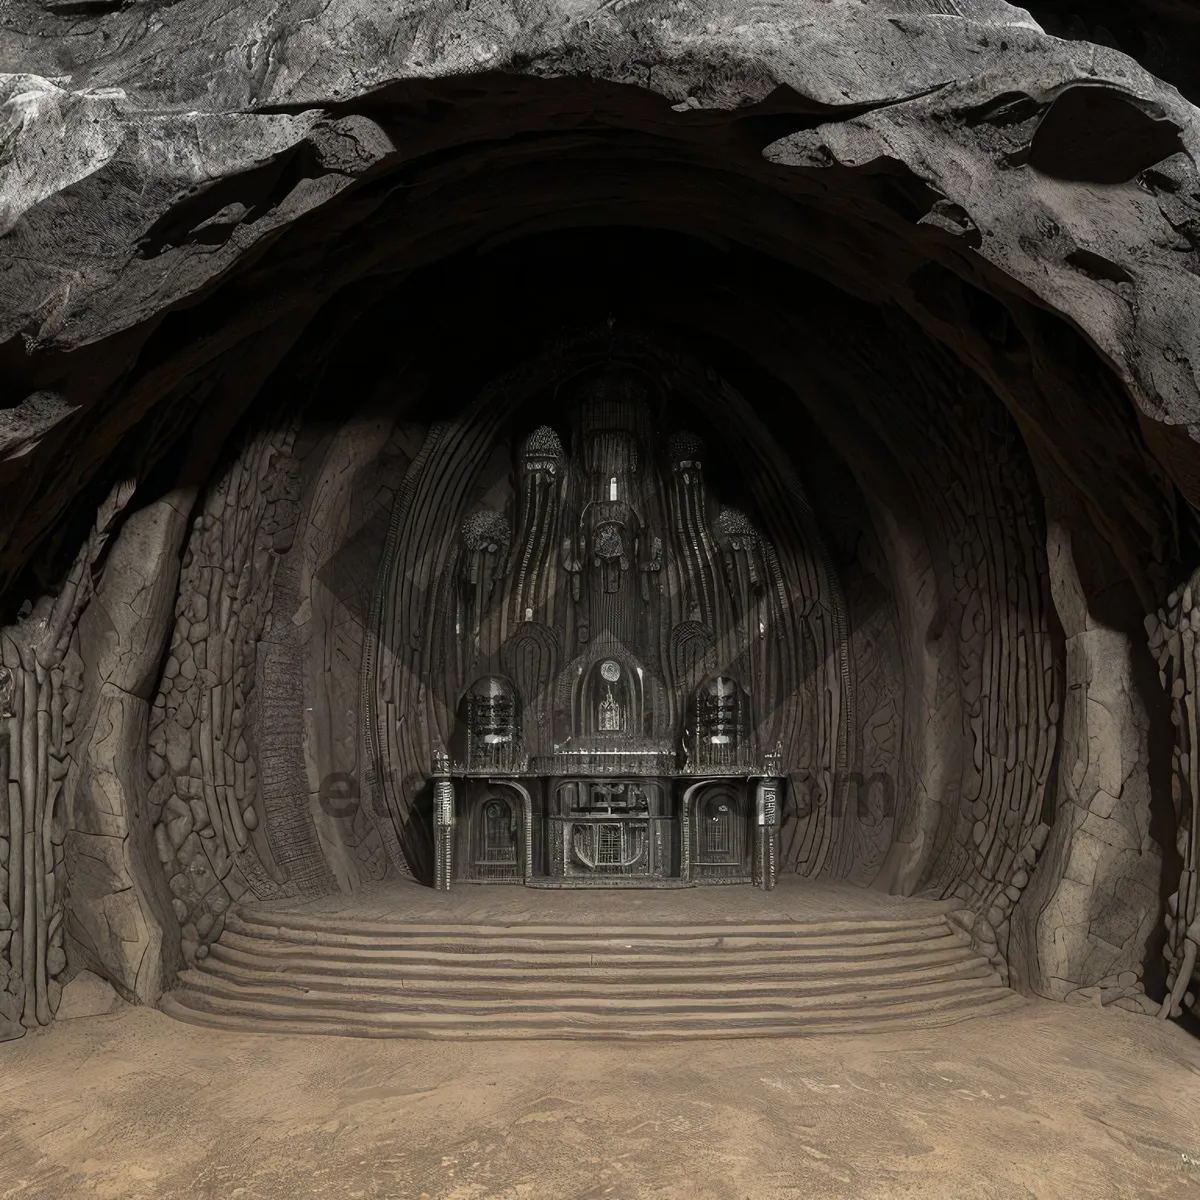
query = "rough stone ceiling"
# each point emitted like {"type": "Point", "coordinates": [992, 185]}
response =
{"type": "Point", "coordinates": [185, 186]}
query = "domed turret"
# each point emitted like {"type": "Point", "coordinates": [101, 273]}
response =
{"type": "Point", "coordinates": [543, 442]}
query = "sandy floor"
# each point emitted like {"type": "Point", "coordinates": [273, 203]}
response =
{"type": "Point", "coordinates": [1046, 1102]}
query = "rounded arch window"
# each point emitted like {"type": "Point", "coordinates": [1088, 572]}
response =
{"type": "Point", "coordinates": [716, 828]}
{"type": "Point", "coordinates": [499, 831]}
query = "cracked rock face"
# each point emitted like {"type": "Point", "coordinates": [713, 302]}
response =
{"type": "Point", "coordinates": [931, 208]}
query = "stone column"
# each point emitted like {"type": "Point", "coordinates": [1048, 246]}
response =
{"type": "Point", "coordinates": [119, 919]}
{"type": "Point", "coordinates": [443, 824]}
{"type": "Point", "coordinates": [766, 831]}
{"type": "Point", "coordinates": [1079, 928]}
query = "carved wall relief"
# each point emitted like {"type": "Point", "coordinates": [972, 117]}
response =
{"type": "Point", "coordinates": [120, 923]}
{"type": "Point", "coordinates": [604, 569]}
{"type": "Point", "coordinates": [703, 626]}
{"type": "Point", "coordinates": [209, 806]}
{"type": "Point", "coordinates": [1081, 921]}
{"type": "Point", "coordinates": [983, 501]}
{"type": "Point", "coordinates": [1174, 644]}
{"type": "Point", "coordinates": [348, 504]}
{"type": "Point", "coordinates": [879, 689]}
{"type": "Point", "coordinates": [873, 623]}
{"type": "Point", "coordinates": [1009, 679]}
{"type": "Point", "coordinates": [40, 685]}
{"type": "Point", "coordinates": [33, 749]}
{"type": "Point", "coordinates": [976, 499]}
{"type": "Point", "coordinates": [610, 599]}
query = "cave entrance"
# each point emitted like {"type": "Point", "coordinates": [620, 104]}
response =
{"type": "Point", "coordinates": [543, 483]}
{"type": "Point", "coordinates": [607, 560]}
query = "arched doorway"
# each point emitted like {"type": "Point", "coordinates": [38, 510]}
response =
{"type": "Point", "coordinates": [719, 832]}
{"type": "Point", "coordinates": [493, 835]}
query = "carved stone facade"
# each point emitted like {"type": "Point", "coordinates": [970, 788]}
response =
{"type": "Point", "coordinates": [600, 619]}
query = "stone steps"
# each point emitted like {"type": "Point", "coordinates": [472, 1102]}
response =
{"type": "Point", "coordinates": [626, 955]}
{"type": "Point", "coordinates": [549, 968]}
{"type": "Point", "coordinates": [657, 985]}
{"type": "Point", "coordinates": [796, 995]}
{"type": "Point", "coordinates": [581, 941]}
{"type": "Point", "coordinates": [338, 930]}
{"type": "Point", "coordinates": [273, 971]}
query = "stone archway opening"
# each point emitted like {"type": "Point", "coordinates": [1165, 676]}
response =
{"type": "Point", "coordinates": [946, 394]}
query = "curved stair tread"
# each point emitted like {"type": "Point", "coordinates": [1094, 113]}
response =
{"type": "Point", "coordinates": [418, 984]}
{"type": "Point", "coordinates": [593, 946]}
{"type": "Point", "coordinates": [295, 927]}
{"type": "Point", "coordinates": [550, 1024]}
{"type": "Point", "coordinates": [389, 1001]}
{"type": "Point", "coordinates": [280, 919]}
{"type": "Point", "coordinates": [550, 959]}
{"type": "Point", "coordinates": [646, 969]}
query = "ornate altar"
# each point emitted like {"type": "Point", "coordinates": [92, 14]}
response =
{"type": "Point", "coordinates": [613, 666]}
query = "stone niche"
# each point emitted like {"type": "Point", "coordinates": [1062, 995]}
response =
{"type": "Point", "coordinates": [606, 564]}
{"type": "Point", "coordinates": [679, 461]}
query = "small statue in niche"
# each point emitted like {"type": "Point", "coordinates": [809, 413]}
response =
{"type": "Point", "coordinates": [718, 713]}
{"type": "Point", "coordinates": [721, 729]}
{"type": "Point", "coordinates": [610, 714]}
{"type": "Point", "coordinates": [744, 564]}
{"type": "Point", "coordinates": [609, 554]}
{"type": "Point", "coordinates": [607, 700]}
{"type": "Point", "coordinates": [740, 537]}
{"type": "Point", "coordinates": [542, 452]}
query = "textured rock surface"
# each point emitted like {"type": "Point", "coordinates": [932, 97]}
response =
{"type": "Point", "coordinates": [88, 995]}
{"type": "Point", "coordinates": [359, 472]}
